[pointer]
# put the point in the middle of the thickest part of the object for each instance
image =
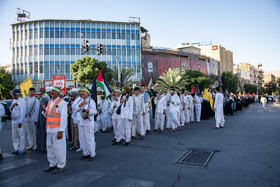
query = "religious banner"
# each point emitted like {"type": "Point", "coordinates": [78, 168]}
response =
{"type": "Point", "coordinates": [24, 87]}
{"type": "Point", "coordinates": [59, 81]}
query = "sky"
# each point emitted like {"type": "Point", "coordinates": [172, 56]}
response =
{"type": "Point", "coordinates": [248, 28]}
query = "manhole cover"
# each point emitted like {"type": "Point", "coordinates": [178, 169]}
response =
{"type": "Point", "coordinates": [196, 157]}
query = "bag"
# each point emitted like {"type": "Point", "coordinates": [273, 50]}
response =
{"type": "Point", "coordinates": [119, 109]}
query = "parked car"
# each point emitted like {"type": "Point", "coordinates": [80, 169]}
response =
{"type": "Point", "coordinates": [7, 104]}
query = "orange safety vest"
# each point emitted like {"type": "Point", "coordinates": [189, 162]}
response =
{"type": "Point", "coordinates": [53, 117]}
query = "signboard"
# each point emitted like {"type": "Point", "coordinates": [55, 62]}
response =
{"type": "Point", "coordinates": [59, 81]}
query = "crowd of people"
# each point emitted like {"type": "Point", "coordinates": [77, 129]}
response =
{"type": "Point", "coordinates": [56, 118]}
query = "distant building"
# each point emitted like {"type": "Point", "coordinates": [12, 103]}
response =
{"type": "Point", "coordinates": [43, 48]}
{"type": "Point", "coordinates": [251, 72]}
{"type": "Point", "coordinates": [268, 77]}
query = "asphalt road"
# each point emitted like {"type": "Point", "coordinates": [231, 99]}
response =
{"type": "Point", "coordinates": [247, 153]}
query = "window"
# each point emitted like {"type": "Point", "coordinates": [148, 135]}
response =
{"type": "Point", "coordinates": [72, 51]}
{"type": "Point", "coordinates": [13, 52]}
{"type": "Point", "coordinates": [137, 36]}
{"type": "Point", "coordinates": [56, 34]}
{"type": "Point", "coordinates": [46, 68]}
{"type": "Point", "coordinates": [51, 50]}
{"type": "Point", "coordinates": [25, 51]}
{"type": "Point", "coordinates": [52, 68]}
{"type": "Point", "coordinates": [67, 68]}
{"type": "Point", "coordinates": [14, 34]}
{"type": "Point", "coordinates": [35, 67]}
{"type": "Point", "coordinates": [25, 68]}
{"type": "Point", "coordinates": [41, 50]}
{"type": "Point", "coordinates": [137, 52]}
{"type": "Point", "coordinates": [21, 51]}
{"type": "Point", "coordinates": [78, 51]}
{"type": "Point", "coordinates": [51, 34]}
{"type": "Point", "coordinates": [109, 34]}
{"type": "Point", "coordinates": [47, 34]}
{"type": "Point", "coordinates": [118, 51]}
{"type": "Point", "coordinates": [123, 52]}
{"type": "Point", "coordinates": [30, 51]}
{"type": "Point", "coordinates": [98, 34]}
{"type": "Point", "coordinates": [17, 36]}
{"type": "Point", "coordinates": [41, 67]}
{"type": "Point", "coordinates": [62, 34]}
{"type": "Point", "coordinates": [61, 50]}
{"type": "Point", "coordinates": [123, 35]}
{"type": "Point", "coordinates": [35, 50]}
{"type": "Point", "coordinates": [25, 34]}
{"type": "Point", "coordinates": [87, 35]}
{"type": "Point", "coordinates": [132, 36]}
{"type": "Point", "coordinates": [113, 35]}
{"type": "Point", "coordinates": [128, 36]}
{"type": "Point", "coordinates": [30, 68]}
{"type": "Point", "coordinates": [36, 34]}
{"type": "Point", "coordinates": [132, 52]}
{"type": "Point", "coordinates": [93, 34]}
{"type": "Point", "coordinates": [67, 51]}
{"type": "Point", "coordinates": [62, 69]}
{"type": "Point", "coordinates": [21, 35]}
{"type": "Point", "coordinates": [30, 34]}
{"type": "Point", "coordinates": [56, 50]}
{"type": "Point", "coordinates": [41, 34]}
{"type": "Point", "coordinates": [47, 50]}
{"type": "Point", "coordinates": [57, 70]}
{"type": "Point", "coordinates": [128, 52]}
{"type": "Point", "coordinates": [67, 33]}
{"type": "Point", "coordinates": [72, 34]}
{"type": "Point", "coordinates": [78, 34]}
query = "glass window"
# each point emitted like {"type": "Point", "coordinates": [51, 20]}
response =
{"type": "Point", "coordinates": [56, 50]}
{"type": "Point", "coordinates": [61, 50]}
{"type": "Point", "coordinates": [21, 51]}
{"type": "Point", "coordinates": [17, 52]}
{"type": "Point", "coordinates": [114, 51]}
{"type": "Point", "coordinates": [67, 68]}
{"type": "Point", "coordinates": [35, 34]}
{"type": "Point", "coordinates": [41, 51]}
{"type": "Point", "coordinates": [47, 34]}
{"type": "Point", "coordinates": [78, 34]}
{"type": "Point", "coordinates": [21, 35]}
{"type": "Point", "coordinates": [78, 52]}
{"type": "Point", "coordinates": [72, 51]}
{"type": "Point", "coordinates": [41, 67]}
{"type": "Point", "coordinates": [56, 34]}
{"type": "Point", "coordinates": [25, 51]}
{"type": "Point", "coordinates": [128, 35]}
{"type": "Point", "coordinates": [87, 34]}
{"type": "Point", "coordinates": [14, 34]}
{"type": "Point", "coordinates": [25, 34]}
{"type": "Point", "coordinates": [109, 34]}
{"type": "Point", "coordinates": [62, 69]}
{"type": "Point", "coordinates": [118, 51]}
{"type": "Point", "coordinates": [57, 24]}
{"type": "Point", "coordinates": [30, 51]}
{"type": "Point", "coordinates": [72, 34]}
{"type": "Point", "coordinates": [123, 52]}
{"type": "Point", "coordinates": [41, 34]}
{"type": "Point", "coordinates": [132, 52]}
{"type": "Point", "coordinates": [46, 68]}
{"type": "Point", "coordinates": [103, 34]}
{"type": "Point", "coordinates": [67, 34]}
{"type": "Point", "coordinates": [137, 52]}
{"type": "Point", "coordinates": [62, 34]}
{"type": "Point", "coordinates": [93, 34]}
{"type": "Point", "coordinates": [17, 36]}
{"type": "Point", "coordinates": [30, 68]}
{"type": "Point", "coordinates": [137, 36]}
{"type": "Point", "coordinates": [36, 51]}
{"type": "Point", "coordinates": [113, 35]}
{"type": "Point", "coordinates": [51, 34]}
{"type": "Point", "coordinates": [52, 68]}
{"type": "Point", "coordinates": [128, 52]}
{"type": "Point", "coordinates": [123, 35]}
{"type": "Point", "coordinates": [51, 50]}
{"type": "Point", "coordinates": [30, 34]}
{"type": "Point", "coordinates": [98, 34]}
{"type": "Point", "coordinates": [118, 35]}
{"type": "Point", "coordinates": [47, 50]}
{"type": "Point", "coordinates": [132, 36]}
{"type": "Point", "coordinates": [35, 67]}
{"type": "Point", "coordinates": [25, 68]}
{"type": "Point", "coordinates": [57, 70]}
{"type": "Point", "coordinates": [67, 51]}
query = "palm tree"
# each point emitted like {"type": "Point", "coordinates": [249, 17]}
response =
{"type": "Point", "coordinates": [126, 76]}
{"type": "Point", "coordinates": [171, 78]}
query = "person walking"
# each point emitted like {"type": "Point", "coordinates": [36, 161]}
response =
{"type": "Point", "coordinates": [160, 102]}
{"type": "Point", "coordinates": [219, 109]}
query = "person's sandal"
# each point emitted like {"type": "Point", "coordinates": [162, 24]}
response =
{"type": "Point", "coordinates": [215, 127]}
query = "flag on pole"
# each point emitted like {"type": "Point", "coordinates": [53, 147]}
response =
{"type": "Point", "coordinates": [207, 96]}
{"type": "Point", "coordinates": [193, 90]}
{"type": "Point", "coordinates": [253, 94]}
{"type": "Point", "coordinates": [102, 83]}
{"type": "Point", "coordinates": [24, 87]}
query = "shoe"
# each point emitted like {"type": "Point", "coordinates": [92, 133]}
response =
{"type": "Point", "coordinates": [15, 152]}
{"type": "Point", "coordinates": [79, 150]}
{"type": "Point", "coordinates": [155, 130]}
{"type": "Point", "coordinates": [85, 157]}
{"type": "Point", "coordinates": [126, 143]}
{"type": "Point", "coordinates": [173, 130]}
{"type": "Point", "coordinates": [221, 126]}
{"type": "Point", "coordinates": [91, 158]}
{"type": "Point", "coordinates": [133, 137]}
{"type": "Point", "coordinates": [142, 137]}
{"type": "Point", "coordinates": [179, 128]}
{"type": "Point", "coordinates": [183, 124]}
{"type": "Point", "coordinates": [57, 170]}
{"type": "Point", "coordinates": [148, 131]}
{"type": "Point", "coordinates": [50, 169]}
{"type": "Point", "coordinates": [29, 148]}
{"type": "Point", "coordinates": [34, 148]}
{"type": "Point", "coordinates": [1, 157]}
{"type": "Point", "coordinates": [116, 143]}
{"type": "Point", "coordinates": [21, 152]}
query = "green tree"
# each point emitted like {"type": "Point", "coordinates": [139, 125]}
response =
{"type": "Point", "coordinates": [261, 91]}
{"type": "Point", "coordinates": [126, 76]}
{"type": "Point", "coordinates": [171, 78]}
{"type": "Point", "coordinates": [250, 88]}
{"type": "Point", "coordinates": [278, 84]}
{"type": "Point", "coordinates": [229, 81]}
{"type": "Point", "coordinates": [84, 71]}
{"type": "Point", "coordinates": [270, 87]}
{"type": "Point", "coordinates": [196, 78]}
{"type": "Point", "coordinates": [6, 84]}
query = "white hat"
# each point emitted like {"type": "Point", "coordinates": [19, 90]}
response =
{"type": "Point", "coordinates": [48, 89]}
{"type": "Point", "coordinates": [74, 90]}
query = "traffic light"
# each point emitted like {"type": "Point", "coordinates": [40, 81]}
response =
{"type": "Point", "coordinates": [99, 49]}
{"type": "Point", "coordinates": [86, 46]}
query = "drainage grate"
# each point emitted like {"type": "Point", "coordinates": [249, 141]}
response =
{"type": "Point", "coordinates": [196, 157]}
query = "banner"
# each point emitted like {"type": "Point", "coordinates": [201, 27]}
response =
{"type": "Point", "coordinates": [59, 81]}
{"type": "Point", "coordinates": [24, 87]}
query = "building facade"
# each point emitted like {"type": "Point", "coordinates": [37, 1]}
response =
{"type": "Point", "coordinates": [251, 72]}
{"type": "Point", "coordinates": [268, 77]}
{"type": "Point", "coordinates": [43, 48]}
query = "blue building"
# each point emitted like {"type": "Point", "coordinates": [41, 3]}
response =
{"type": "Point", "coordinates": [43, 48]}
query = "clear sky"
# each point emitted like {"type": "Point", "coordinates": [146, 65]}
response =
{"type": "Point", "coordinates": [249, 28]}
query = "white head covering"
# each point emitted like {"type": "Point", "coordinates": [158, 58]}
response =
{"type": "Point", "coordinates": [74, 90]}
{"type": "Point", "coordinates": [48, 89]}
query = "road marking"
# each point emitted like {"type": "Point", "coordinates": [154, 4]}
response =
{"type": "Point", "coordinates": [82, 179]}
{"type": "Point", "coordinates": [16, 164]}
{"type": "Point", "coordinates": [135, 182]}
{"type": "Point", "coordinates": [22, 179]}
{"type": "Point", "coordinates": [7, 155]}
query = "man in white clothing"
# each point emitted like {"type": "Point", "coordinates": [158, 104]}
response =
{"type": "Point", "coordinates": [219, 109]}
{"type": "Point", "coordinates": [167, 99]}
{"type": "Point", "coordinates": [32, 109]}
{"type": "Point", "coordinates": [18, 110]}
{"type": "Point", "coordinates": [187, 106]}
{"type": "Point", "coordinates": [146, 116]}
{"type": "Point", "coordinates": [115, 117]}
{"type": "Point", "coordinates": [174, 103]}
{"type": "Point", "coordinates": [138, 113]}
{"type": "Point", "coordinates": [160, 102]}
{"type": "Point", "coordinates": [56, 123]}
{"type": "Point", "coordinates": [103, 107]}
{"type": "Point", "coordinates": [86, 109]}
{"type": "Point", "coordinates": [126, 117]}
{"type": "Point", "coordinates": [197, 107]}
{"type": "Point", "coordinates": [182, 109]}
{"type": "Point", "coordinates": [2, 114]}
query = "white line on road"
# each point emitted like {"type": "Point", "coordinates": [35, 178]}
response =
{"type": "Point", "coordinates": [16, 164]}
{"type": "Point", "coordinates": [135, 182]}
